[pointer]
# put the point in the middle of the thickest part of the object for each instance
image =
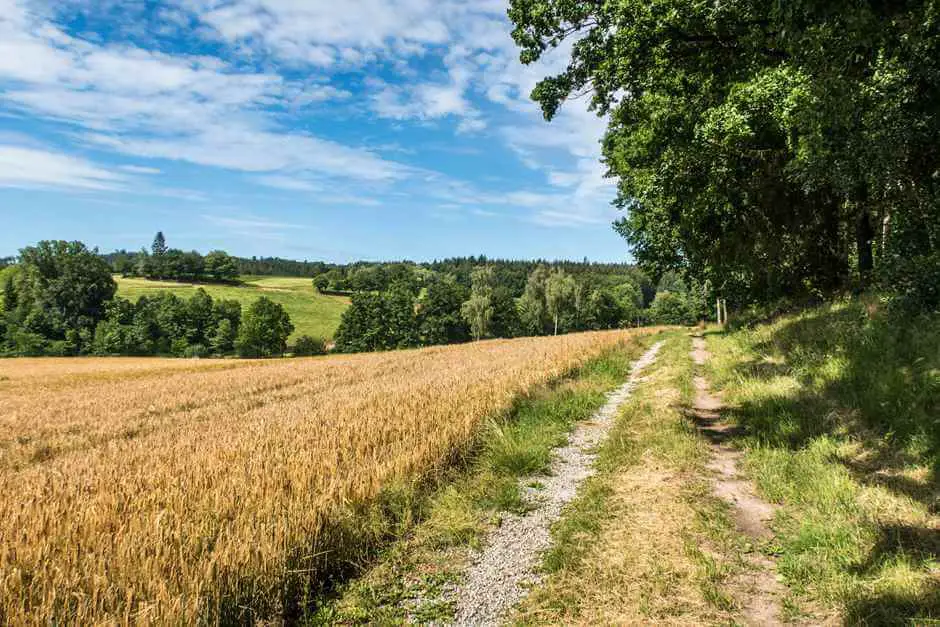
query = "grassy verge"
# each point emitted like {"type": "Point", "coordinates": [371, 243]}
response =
{"type": "Point", "coordinates": [431, 540]}
{"type": "Point", "coordinates": [645, 541]}
{"type": "Point", "coordinates": [841, 410]}
{"type": "Point", "coordinates": [311, 313]}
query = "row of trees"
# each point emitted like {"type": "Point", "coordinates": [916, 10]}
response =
{"type": "Point", "coordinates": [511, 274]}
{"type": "Point", "coordinates": [163, 262]}
{"type": "Point", "coordinates": [441, 310]}
{"type": "Point", "coordinates": [59, 299]}
{"type": "Point", "coordinates": [770, 149]}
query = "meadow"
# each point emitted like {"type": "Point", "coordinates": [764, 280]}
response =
{"type": "Point", "coordinates": [177, 491]}
{"type": "Point", "coordinates": [312, 313]}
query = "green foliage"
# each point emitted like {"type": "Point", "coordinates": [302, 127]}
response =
{"type": "Point", "coordinates": [505, 319]}
{"type": "Point", "coordinates": [439, 306]}
{"type": "Point", "coordinates": [478, 310]}
{"type": "Point", "coordinates": [534, 316]}
{"type": "Point", "coordinates": [671, 308]}
{"type": "Point", "coordinates": [264, 330]}
{"type": "Point", "coordinates": [168, 325]}
{"type": "Point", "coordinates": [769, 150]}
{"type": "Point", "coordinates": [59, 293]}
{"type": "Point", "coordinates": [307, 346]}
{"type": "Point", "coordinates": [220, 266]}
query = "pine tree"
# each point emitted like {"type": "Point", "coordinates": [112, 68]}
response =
{"type": "Point", "coordinates": [159, 247]}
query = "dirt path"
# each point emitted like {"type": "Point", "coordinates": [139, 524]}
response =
{"type": "Point", "coordinates": [757, 591]}
{"type": "Point", "coordinates": [501, 574]}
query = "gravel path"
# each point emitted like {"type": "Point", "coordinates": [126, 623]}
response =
{"type": "Point", "coordinates": [500, 575]}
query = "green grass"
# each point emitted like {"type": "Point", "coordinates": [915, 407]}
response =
{"type": "Point", "coordinates": [449, 512]}
{"type": "Point", "coordinates": [841, 413]}
{"type": "Point", "coordinates": [312, 313]}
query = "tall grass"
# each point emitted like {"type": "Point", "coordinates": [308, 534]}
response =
{"type": "Point", "coordinates": [226, 492]}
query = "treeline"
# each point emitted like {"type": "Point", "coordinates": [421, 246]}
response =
{"type": "Point", "coordinates": [59, 299]}
{"type": "Point", "coordinates": [511, 274]}
{"type": "Point", "coordinates": [172, 264]}
{"type": "Point", "coordinates": [407, 305]}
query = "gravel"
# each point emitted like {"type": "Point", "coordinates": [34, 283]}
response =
{"type": "Point", "coordinates": [500, 575]}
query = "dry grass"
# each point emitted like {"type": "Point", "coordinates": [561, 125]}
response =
{"type": "Point", "coordinates": [172, 491]}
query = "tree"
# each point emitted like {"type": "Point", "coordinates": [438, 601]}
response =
{"type": "Point", "coordinates": [400, 320]}
{"type": "Point", "coordinates": [603, 311]}
{"type": "Point", "coordinates": [671, 308]}
{"type": "Point", "coordinates": [559, 295]}
{"type": "Point", "coordinates": [306, 346]}
{"type": "Point", "coordinates": [533, 310]}
{"type": "Point", "coordinates": [221, 266]}
{"type": "Point", "coordinates": [159, 247]}
{"type": "Point", "coordinates": [478, 309]}
{"type": "Point", "coordinates": [264, 329]}
{"type": "Point", "coordinates": [222, 338]}
{"type": "Point", "coordinates": [761, 147]}
{"type": "Point", "coordinates": [61, 292]}
{"type": "Point", "coordinates": [439, 315]}
{"type": "Point", "coordinates": [362, 326]}
{"type": "Point", "coordinates": [505, 320]}
{"type": "Point", "coordinates": [156, 264]}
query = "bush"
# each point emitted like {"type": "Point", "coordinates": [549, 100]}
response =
{"type": "Point", "coordinates": [307, 345]}
{"type": "Point", "coordinates": [671, 308]}
{"type": "Point", "coordinates": [195, 350]}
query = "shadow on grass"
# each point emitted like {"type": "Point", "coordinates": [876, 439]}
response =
{"type": "Point", "coordinates": [873, 378]}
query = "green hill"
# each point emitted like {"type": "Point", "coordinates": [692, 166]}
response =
{"type": "Point", "coordinates": [311, 312]}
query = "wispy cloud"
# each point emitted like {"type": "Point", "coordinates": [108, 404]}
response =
{"type": "Point", "coordinates": [27, 167]}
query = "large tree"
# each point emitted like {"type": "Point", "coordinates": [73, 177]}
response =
{"type": "Point", "coordinates": [264, 329]}
{"type": "Point", "coordinates": [765, 147]}
{"type": "Point", "coordinates": [60, 292]}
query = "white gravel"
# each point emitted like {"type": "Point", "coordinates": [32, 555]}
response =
{"type": "Point", "coordinates": [500, 575]}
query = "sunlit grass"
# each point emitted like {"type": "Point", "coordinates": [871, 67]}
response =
{"type": "Point", "coordinates": [840, 405]}
{"type": "Point", "coordinates": [311, 313]}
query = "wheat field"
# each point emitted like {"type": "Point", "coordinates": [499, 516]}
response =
{"type": "Point", "coordinates": [153, 490]}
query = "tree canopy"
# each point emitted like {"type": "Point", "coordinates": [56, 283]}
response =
{"type": "Point", "coordinates": [767, 148]}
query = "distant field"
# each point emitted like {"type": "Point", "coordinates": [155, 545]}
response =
{"type": "Point", "coordinates": [312, 313]}
{"type": "Point", "coordinates": [207, 491]}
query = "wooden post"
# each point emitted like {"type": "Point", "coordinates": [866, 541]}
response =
{"type": "Point", "coordinates": [724, 310]}
{"type": "Point", "coordinates": [718, 309]}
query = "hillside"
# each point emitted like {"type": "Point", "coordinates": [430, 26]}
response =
{"type": "Point", "coordinates": [312, 313]}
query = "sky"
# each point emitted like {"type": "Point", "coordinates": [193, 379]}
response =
{"type": "Point", "coordinates": [308, 129]}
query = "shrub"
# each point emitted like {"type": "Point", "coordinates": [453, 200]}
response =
{"type": "Point", "coordinates": [307, 345]}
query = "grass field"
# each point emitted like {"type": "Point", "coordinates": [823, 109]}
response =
{"type": "Point", "coordinates": [312, 313]}
{"type": "Point", "coordinates": [136, 491]}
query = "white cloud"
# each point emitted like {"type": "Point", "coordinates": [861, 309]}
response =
{"type": "Point", "coordinates": [28, 167]}
{"type": "Point", "coordinates": [180, 107]}
{"type": "Point", "coordinates": [139, 169]}
{"type": "Point", "coordinates": [449, 60]}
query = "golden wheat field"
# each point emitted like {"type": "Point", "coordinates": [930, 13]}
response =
{"type": "Point", "coordinates": [151, 490]}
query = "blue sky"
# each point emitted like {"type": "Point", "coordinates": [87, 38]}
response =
{"type": "Point", "coordinates": [307, 129]}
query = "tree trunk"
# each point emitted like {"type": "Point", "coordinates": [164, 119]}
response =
{"type": "Point", "coordinates": [864, 233]}
{"type": "Point", "coordinates": [556, 324]}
